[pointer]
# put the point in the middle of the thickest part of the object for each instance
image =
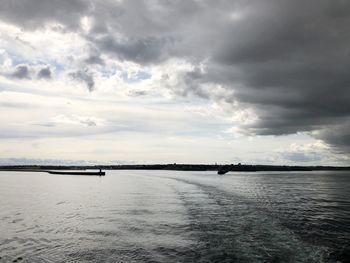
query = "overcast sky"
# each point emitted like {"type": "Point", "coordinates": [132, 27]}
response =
{"type": "Point", "coordinates": [158, 81]}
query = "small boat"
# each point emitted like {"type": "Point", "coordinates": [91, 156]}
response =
{"type": "Point", "coordinates": [223, 170]}
{"type": "Point", "coordinates": [99, 173]}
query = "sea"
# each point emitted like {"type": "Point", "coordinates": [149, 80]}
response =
{"type": "Point", "coordinates": [175, 216]}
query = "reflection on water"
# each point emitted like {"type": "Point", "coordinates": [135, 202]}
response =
{"type": "Point", "coordinates": [167, 216]}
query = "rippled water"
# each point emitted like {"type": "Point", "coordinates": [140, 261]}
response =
{"type": "Point", "coordinates": [167, 216]}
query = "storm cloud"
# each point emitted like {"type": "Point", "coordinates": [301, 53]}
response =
{"type": "Point", "coordinates": [35, 14]}
{"type": "Point", "coordinates": [287, 61]}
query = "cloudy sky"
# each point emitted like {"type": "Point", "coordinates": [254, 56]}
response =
{"type": "Point", "coordinates": [158, 81]}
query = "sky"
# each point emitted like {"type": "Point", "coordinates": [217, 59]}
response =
{"type": "Point", "coordinates": [185, 81]}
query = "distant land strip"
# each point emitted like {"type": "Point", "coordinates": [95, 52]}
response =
{"type": "Point", "coordinates": [176, 167]}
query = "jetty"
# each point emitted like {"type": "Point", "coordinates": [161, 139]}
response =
{"type": "Point", "coordinates": [99, 173]}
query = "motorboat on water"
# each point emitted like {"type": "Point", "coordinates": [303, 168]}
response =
{"type": "Point", "coordinates": [223, 170]}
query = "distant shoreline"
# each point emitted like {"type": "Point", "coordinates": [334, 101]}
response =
{"type": "Point", "coordinates": [175, 167]}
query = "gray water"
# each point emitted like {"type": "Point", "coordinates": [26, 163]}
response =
{"type": "Point", "coordinates": [168, 216]}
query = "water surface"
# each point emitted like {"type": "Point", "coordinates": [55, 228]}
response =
{"type": "Point", "coordinates": [169, 216]}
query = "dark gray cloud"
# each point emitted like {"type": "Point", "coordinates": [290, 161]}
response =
{"type": "Point", "coordinates": [34, 14]}
{"type": "Point", "coordinates": [289, 61]}
{"type": "Point", "coordinates": [44, 73]}
{"type": "Point", "coordinates": [147, 50]}
{"type": "Point", "coordinates": [21, 72]}
{"type": "Point", "coordinates": [338, 136]}
{"type": "Point", "coordinates": [24, 71]}
{"type": "Point", "coordinates": [84, 76]}
{"type": "Point", "coordinates": [94, 57]}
